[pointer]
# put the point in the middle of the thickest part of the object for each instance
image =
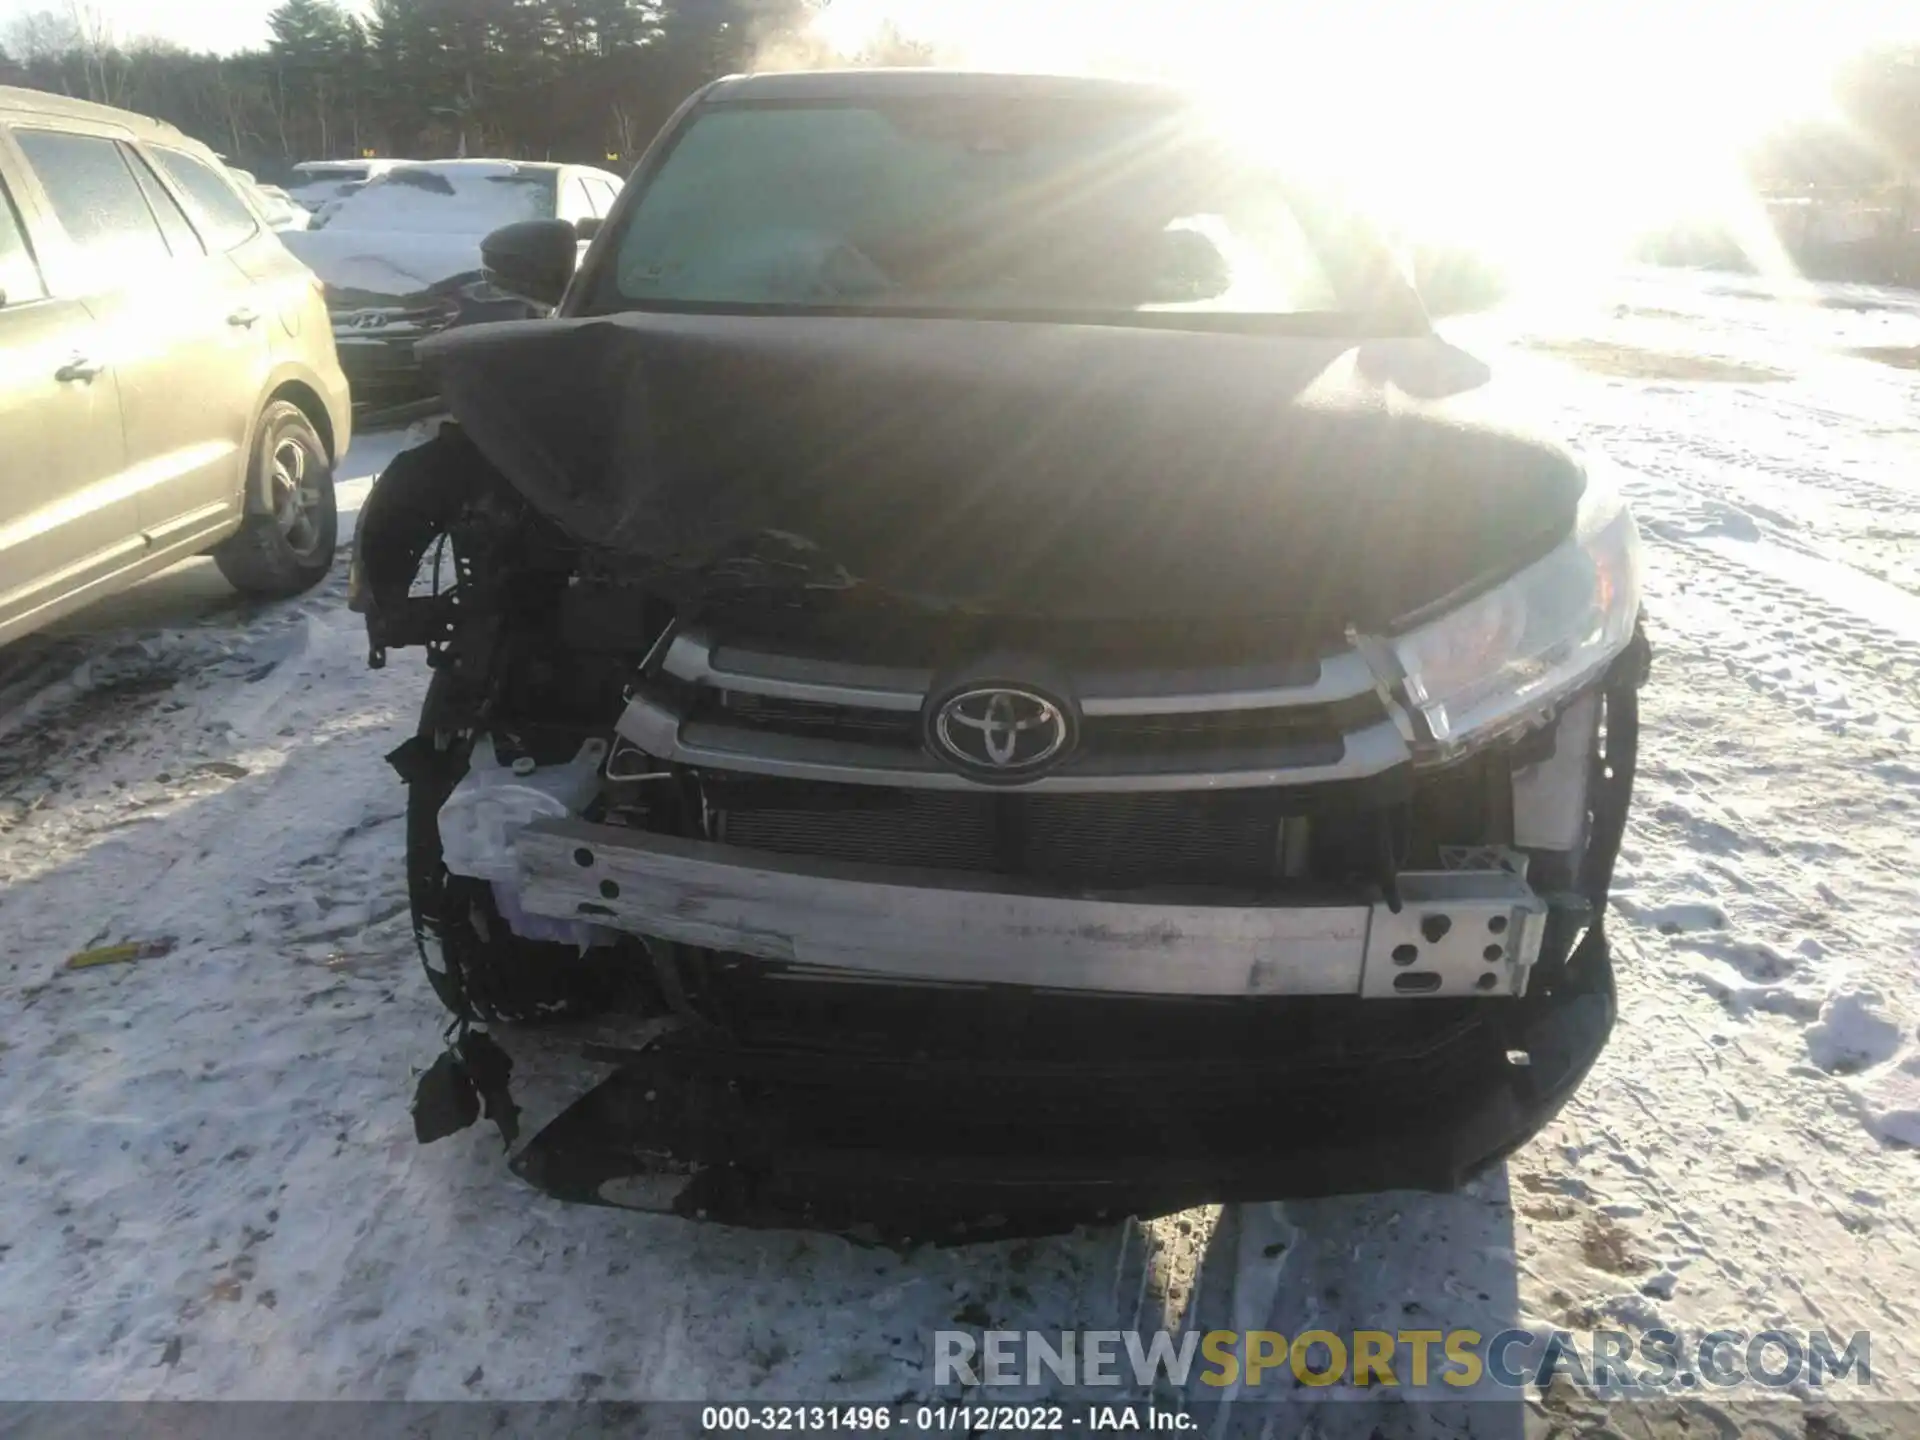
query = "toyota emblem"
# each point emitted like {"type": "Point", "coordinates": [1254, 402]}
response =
{"type": "Point", "coordinates": [998, 732]}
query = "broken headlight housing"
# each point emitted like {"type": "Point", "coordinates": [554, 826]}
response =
{"type": "Point", "coordinates": [1506, 657]}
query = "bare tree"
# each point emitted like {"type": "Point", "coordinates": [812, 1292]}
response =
{"type": "Point", "coordinates": [41, 35]}
{"type": "Point", "coordinates": [106, 65]}
{"type": "Point", "coordinates": [631, 136]}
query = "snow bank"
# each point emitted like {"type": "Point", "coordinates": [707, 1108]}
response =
{"type": "Point", "coordinates": [1891, 1100]}
{"type": "Point", "coordinates": [1852, 1034]}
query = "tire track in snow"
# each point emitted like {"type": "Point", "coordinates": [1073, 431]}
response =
{"type": "Point", "coordinates": [1750, 473]}
{"type": "Point", "coordinates": [1776, 795]}
{"type": "Point", "coordinates": [1821, 659]}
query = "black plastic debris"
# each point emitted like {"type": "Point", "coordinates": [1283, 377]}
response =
{"type": "Point", "coordinates": [444, 1101]}
{"type": "Point", "coordinates": [470, 1078]}
{"type": "Point", "coordinates": [491, 1068]}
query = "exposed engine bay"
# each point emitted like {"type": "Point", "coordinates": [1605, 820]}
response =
{"type": "Point", "coordinates": [901, 907]}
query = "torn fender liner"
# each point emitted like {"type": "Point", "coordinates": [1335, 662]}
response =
{"type": "Point", "coordinates": [409, 508]}
{"type": "Point", "coordinates": [1074, 471]}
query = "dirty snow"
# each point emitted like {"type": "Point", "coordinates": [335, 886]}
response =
{"type": "Point", "coordinates": [212, 1189]}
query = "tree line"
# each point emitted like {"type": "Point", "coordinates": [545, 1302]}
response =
{"type": "Point", "coordinates": [580, 80]}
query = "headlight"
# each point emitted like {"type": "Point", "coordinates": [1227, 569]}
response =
{"type": "Point", "coordinates": [1504, 657]}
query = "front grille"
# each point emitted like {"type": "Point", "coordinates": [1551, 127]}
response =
{"type": "Point", "coordinates": [925, 829]}
{"type": "Point", "coordinates": [1087, 842]}
{"type": "Point", "coordinates": [782, 716]}
{"type": "Point", "coordinates": [1201, 731]}
{"type": "Point", "coordinates": [1103, 735]}
{"type": "Point", "coordinates": [1133, 840]}
{"type": "Point", "coordinates": [855, 718]}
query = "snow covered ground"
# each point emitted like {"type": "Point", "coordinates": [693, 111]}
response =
{"type": "Point", "coordinates": [210, 1182]}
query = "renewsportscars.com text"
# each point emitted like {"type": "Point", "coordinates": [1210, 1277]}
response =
{"type": "Point", "coordinates": [1606, 1360]}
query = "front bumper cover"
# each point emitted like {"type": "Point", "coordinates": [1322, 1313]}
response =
{"type": "Point", "coordinates": [912, 1148]}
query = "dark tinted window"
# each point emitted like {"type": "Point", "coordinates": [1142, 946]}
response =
{"type": "Point", "coordinates": [19, 276]}
{"type": "Point", "coordinates": [96, 198]}
{"type": "Point", "coordinates": [173, 220]}
{"type": "Point", "coordinates": [224, 217]}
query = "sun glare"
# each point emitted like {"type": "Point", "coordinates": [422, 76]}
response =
{"type": "Point", "coordinates": [1539, 135]}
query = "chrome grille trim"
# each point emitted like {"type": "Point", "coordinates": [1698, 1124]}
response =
{"type": "Point", "coordinates": [1342, 677]}
{"type": "Point", "coordinates": [694, 658]}
{"type": "Point", "coordinates": [657, 730]}
{"type": "Point", "coordinates": [663, 722]}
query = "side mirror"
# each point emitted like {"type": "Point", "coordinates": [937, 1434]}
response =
{"type": "Point", "coordinates": [588, 226]}
{"type": "Point", "coordinates": [533, 259]}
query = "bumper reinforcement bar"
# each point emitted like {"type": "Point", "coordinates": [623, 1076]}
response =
{"type": "Point", "coordinates": [1454, 933]}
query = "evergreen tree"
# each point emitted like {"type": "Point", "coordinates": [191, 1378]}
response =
{"type": "Point", "coordinates": [309, 47]}
{"type": "Point", "coordinates": [584, 80]}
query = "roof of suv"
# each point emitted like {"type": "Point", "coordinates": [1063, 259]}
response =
{"type": "Point", "coordinates": [881, 84]}
{"type": "Point", "coordinates": [41, 102]}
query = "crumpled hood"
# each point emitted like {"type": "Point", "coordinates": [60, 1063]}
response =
{"type": "Point", "coordinates": [389, 263]}
{"type": "Point", "coordinates": [997, 468]}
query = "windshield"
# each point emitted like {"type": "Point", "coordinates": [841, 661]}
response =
{"type": "Point", "coordinates": [936, 204]}
{"type": "Point", "coordinates": [324, 174]}
{"type": "Point", "coordinates": [446, 201]}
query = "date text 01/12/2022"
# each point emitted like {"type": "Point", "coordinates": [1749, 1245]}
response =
{"type": "Point", "coordinates": [939, 1419]}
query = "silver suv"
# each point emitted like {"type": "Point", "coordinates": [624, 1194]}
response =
{"type": "Point", "coordinates": [168, 383]}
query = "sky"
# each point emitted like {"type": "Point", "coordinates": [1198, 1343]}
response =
{"type": "Point", "coordinates": [1544, 125]}
{"type": "Point", "coordinates": [1798, 33]}
{"type": "Point", "coordinates": [219, 25]}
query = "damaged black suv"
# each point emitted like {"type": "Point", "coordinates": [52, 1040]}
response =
{"type": "Point", "coordinates": [990, 669]}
